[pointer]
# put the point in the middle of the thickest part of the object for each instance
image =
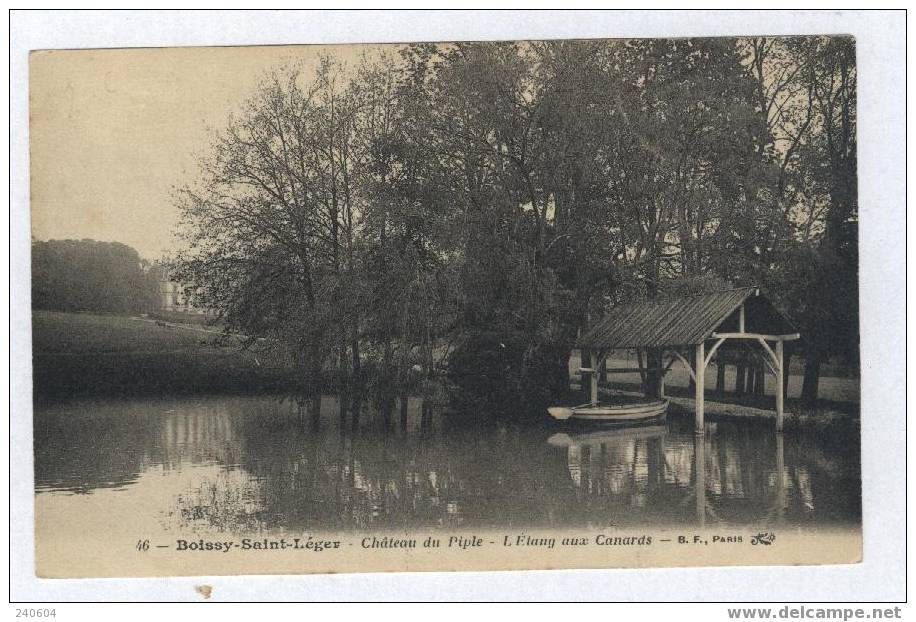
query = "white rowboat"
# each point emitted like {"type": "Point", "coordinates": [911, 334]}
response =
{"type": "Point", "coordinates": [633, 412]}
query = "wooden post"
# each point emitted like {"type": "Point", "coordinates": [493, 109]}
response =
{"type": "Point", "coordinates": [779, 385]}
{"type": "Point", "coordinates": [661, 376]}
{"type": "Point", "coordinates": [594, 383]}
{"type": "Point", "coordinates": [741, 318]}
{"type": "Point", "coordinates": [699, 369]}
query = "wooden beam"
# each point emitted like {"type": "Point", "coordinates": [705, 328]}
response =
{"type": "Point", "coordinates": [713, 349]}
{"type": "Point", "coordinates": [700, 386]}
{"type": "Point", "coordinates": [639, 360]}
{"type": "Point", "coordinates": [769, 350]}
{"type": "Point", "coordinates": [791, 337]}
{"type": "Point", "coordinates": [686, 364]}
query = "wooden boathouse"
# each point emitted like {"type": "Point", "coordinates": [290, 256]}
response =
{"type": "Point", "coordinates": [692, 330]}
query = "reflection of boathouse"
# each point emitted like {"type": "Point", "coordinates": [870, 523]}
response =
{"type": "Point", "coordinates": [632, 467]}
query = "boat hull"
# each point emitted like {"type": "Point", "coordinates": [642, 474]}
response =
{"type": "Point", "coordinates": [608, 413]}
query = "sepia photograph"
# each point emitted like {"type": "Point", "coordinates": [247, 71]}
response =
{"type": "Point", "coordinates": [527, 304]}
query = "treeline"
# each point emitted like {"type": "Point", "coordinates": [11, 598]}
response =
{"type": "Point", "coordinates": [475, 205]}
{"type": "Point", "coordinates": [86, 275]}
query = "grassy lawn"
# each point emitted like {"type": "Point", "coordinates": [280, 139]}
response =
{"type": "Point", "coordinates": [77, 354]}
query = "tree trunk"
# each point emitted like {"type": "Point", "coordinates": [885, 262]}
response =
{"type": "Point", "coordinates": [585, 357]}
{"type": "Point", "coordinates": [426, 417]}
{"type": "Point", "coordinates": [740, 371]}
{"type": "Point", "coordinates": [787, 358]}
{"type": "Point", "coordinates": [356, 405]}
{"type": "Point", "coordinates": [559, 375]}
{"type": "Point", "coordinates": [403, 399]}
{"type": "Point", "coordinates": [313, 371]}
{"type": "Point", "coordinates": [386, 405]}
{"type": "Point", "coordinates": [354, 349]}
{"type": "Point", "coordinates": [654, 361]}
{"type": "Point", "coordinates": [811, 378]}
{"type": "Point", "coordinates": [344, 404]}
{"type": "Point", "coordinates": [720, 378]}
{"type": "Point", "coordinates": [313, 404]}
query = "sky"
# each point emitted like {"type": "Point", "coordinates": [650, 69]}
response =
{"type": "Point", "coordinates": [112, 132]}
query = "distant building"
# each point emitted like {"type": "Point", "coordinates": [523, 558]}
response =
{"type": "Point", "coordinates": [174, 296]}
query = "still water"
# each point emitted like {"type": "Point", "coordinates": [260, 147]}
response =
{"type": "Point", "coordinates": [261, 464]}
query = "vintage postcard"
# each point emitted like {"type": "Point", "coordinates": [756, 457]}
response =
{"type": "Point", "coordinates": [445, 306]}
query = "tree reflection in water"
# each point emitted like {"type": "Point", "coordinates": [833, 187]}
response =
{"type": "Point", "coordinates": [251, 464]}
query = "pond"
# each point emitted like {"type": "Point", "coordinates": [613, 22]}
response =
{"type": "Point", "coordinates": [263, 464]}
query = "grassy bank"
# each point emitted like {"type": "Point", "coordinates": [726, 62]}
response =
{"type": "Point", "coordinates": [76, 354]}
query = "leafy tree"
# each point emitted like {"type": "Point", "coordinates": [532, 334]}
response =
{"type": "Point", "coordinates": [809, 257]}
{"type": "Point", "coordinates": [476, 205]}
{"type": "Point", "coordinates": [269, 224]}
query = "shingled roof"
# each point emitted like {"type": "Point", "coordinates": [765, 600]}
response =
{"type": "Point", "coordinates": [684, 321]}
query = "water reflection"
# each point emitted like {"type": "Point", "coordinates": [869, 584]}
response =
{"type": "Point", "coordinates": [250, 464]}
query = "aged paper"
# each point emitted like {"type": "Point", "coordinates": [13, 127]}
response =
{"type": "Point", "coordinates": [477, 306]}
